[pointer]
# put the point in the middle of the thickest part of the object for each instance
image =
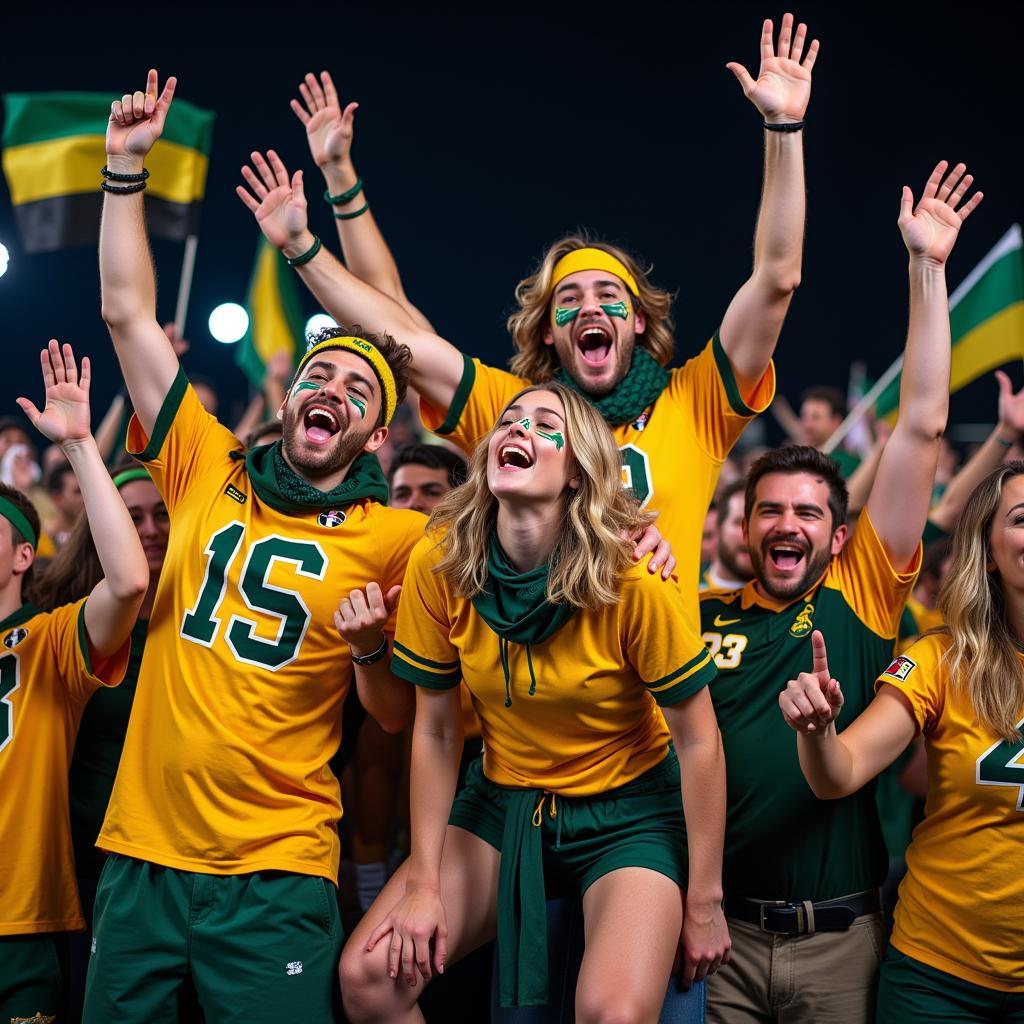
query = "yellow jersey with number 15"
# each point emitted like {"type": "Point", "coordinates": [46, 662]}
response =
{"type": "Point", "coordinates": [238, 707]}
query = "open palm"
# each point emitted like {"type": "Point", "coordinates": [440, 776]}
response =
{"type": "Point", "coordinates": [930, 230]}
{"type": "Point", "coordinates": [137, 119]}
{"type": "Point", "coordinates": [277, 201]}
{"type": "Point", "coordinates": [328, 127]}
{"type": "Point", "coordinates": [782, 88]}
{"type": "Point", "coordinates": [65, 415]}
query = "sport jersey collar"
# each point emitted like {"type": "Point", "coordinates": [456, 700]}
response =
{"type": "Point", "coordinates": [27, 611]}
{"type": "Point", "coordinates": [750, 597]}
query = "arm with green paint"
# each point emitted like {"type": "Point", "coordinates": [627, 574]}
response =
{"type": "Point", "coordinates": [278, 201]}
{"type": "Point", "coordinates": [329, 132]}
{"type": "Point", "coordinates": [901, 495]}
{"type": "Point", "coordinates": [751, 325]}
{"type": "Point", "coordinates": [127, 280]}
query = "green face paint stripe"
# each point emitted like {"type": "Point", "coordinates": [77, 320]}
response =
{"type": "Point", "coordinates": [305, 385]}
{"type": "Point", "coordinates": [360, 406]}
{"type": "Point", "coordinates": [564, 314]}
{"type": "Point", "coordinates": [525, 422]}
{"type": "Point", "coordinates": [619, 309]}
{"type": "Point", "coordinates": [556, 437]}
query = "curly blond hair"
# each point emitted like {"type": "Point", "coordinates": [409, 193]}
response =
{"type": "Point", "coordinates": [538, 362]}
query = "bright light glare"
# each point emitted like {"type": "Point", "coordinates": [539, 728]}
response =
{"type": "Point", "coordinates": [228, 322]}
{"type": "Point", "coordinates": [317, 322]}
{"type": "Point", "coordinates": [5, 258]}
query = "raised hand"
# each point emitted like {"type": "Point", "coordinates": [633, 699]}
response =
{"type": "Point", "coordinates": [812, 701]}
{"type": "Point", "coordinates": [279, 202]}
{"type": "Point", "coordinates": [65, 415]}
{"type": "Point", "coordinates": [1011, 406]}
{"type": "Point", "coordinates": [328, 127]}
{"type": "Point", "coordinates": [361, 617]}
{"type": "Point", "coordinates": [783, 86]}
{"type": "Point", "coordinates": [137, 120]}
{"type": "Point", "coordinates": [929, 231]}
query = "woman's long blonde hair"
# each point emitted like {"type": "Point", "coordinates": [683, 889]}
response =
{"type": "Point", "coordinates": [982, 657]}
{"type": "Point", "coordinates": [589, 554]}
{"type": "Point", "coordinates": [538, 362]}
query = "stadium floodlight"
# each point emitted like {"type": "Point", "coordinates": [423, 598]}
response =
{"type": "Point", "coordinates": [317, 322]}
{"type": "Point", "coordinates": [5, 258]}
{"type": "Point", "coordinates": [229, 322]}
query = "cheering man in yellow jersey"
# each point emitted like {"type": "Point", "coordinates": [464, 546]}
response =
{"type": "Point", "coordinates": [51, 663]}
{"type": "Point", "coordinates": [588, 317]}
{"type": "Point", "coordinates": [222, 822]}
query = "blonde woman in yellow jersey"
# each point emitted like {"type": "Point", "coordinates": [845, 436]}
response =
{"type": "Point", "coordinates": [957, 948]}
{"type": "Point", "coordinates": [524, 589]}
{"type": "Point", "coordinates": [51, 663]}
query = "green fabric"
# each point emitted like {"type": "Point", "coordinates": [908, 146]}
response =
{"type": "Point", "coordinates": [280, 487]}
{"type": "Point", "coordinates": [637, 391]}
{"type": "Point", "coordinates": [30, 978]}
{"type": "Point", "coordinates": [515, 606]}
{"type": "Point", "coordinates": [895, 806]}
{"type": "Point", "coordinates": [126, 476]}
{"type": "Point", "coordinates": [164, 418]}
{"type": "Point", "coordinates": [18, 520]}
{"type": "Point", "coordinates": [847, 461]}
{"type": "Point", "coordinates": [460, 398]}
{"type": "Point", "coordinates": [932, 533]}
{"type": "Point", "coordinates": [729, 382]}
{"type": "Point", "coordinates": [261, 947]}
{"type": "Point", "coordinates": [573, 839]}
{"type": "Point", "coordinates": [781, 842]}
{"type": "Point", "coordinates": [27, 611]}
{"type": "Point", "coordinates": [909, 990]}
{"type": "Point", "coordinates": [96, 757]}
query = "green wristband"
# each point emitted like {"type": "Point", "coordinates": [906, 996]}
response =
{"type": "Point", "coordinates": [344, 197]}
{"type": "Point", "coordinates": [1004, 443]}
{"type": "Point", "coordinates": [356, 213]}
{"type": "Point", "coordinates": [308, 254]}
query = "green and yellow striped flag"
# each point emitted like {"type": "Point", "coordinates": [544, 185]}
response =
{"type": "Point", "coordinates": [53, 150]}
{"type": "Point", "coordinates": [986, 319]}
{"type": "Point", "coordinates": [275, 315]}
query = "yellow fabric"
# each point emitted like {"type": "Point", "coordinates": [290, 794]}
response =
{"type": "Point", "coordinates": [690, 432]}
{"type": "Point", "coordinates": [41, 715]}
{"type": "Point", "coordinates": [592, 723]}
{"type": "Point", "coordinates": [592, 259]}
{"type": "Point", "coordinates": [470, 719]}
{"type": "Point", "coordinates": [225, 764]}
{"type": "Point", "coordinates": [926, 619]}
{"type": "Point", "coordinates": [271, 331]}
{"type": "Point", "coordinates": [997, 341]}
{"type": "Point", "coordinates": [47, 548]}
{"type": "Point", "coordinates": [363, 348]}
{"type": "Point", "coordinates": [960, 904]}
{"type": "Point", "coordinates": [71, 165]}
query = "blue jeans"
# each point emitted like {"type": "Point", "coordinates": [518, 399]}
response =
{"type": "Point", "coordinates": [565, 953]}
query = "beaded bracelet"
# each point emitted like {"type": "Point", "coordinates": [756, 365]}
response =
{"type": "Point", "coordinates": [355, 213]}
{"type": "Point", "coordinates": [116, 176]}
{"type": "Point", "coordinates": [344, 197]}
{"type": "Point", "coordinates": [308, 254]}
{"type": "Point", "coordinates": [789, 126]}
{"type": "Point", "coordinates": [123, 190]}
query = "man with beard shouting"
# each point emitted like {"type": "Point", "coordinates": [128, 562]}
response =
{"type": "Point", "coordinates": [801, 876]}
{"type": "Point", "coordinates": [221, 828]}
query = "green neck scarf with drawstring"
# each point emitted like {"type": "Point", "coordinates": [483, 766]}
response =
{"type": "Point", "coordinates": [638, 390]}
{"type": "Point", "coordinates": [516, 607]}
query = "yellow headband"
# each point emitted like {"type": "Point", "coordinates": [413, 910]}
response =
{"type": "Point", "coordinates": [363, 348]}
{"type": "Point", "coordinates": [592, 259]}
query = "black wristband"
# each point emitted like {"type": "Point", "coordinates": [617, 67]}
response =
{"type": "Point", "coordinates": [374, 656]}
{"type": "Point", "coordinates": [115, 176]}
{"type": "Point", "coordinates": [308, 254]}
{"type": "Point", "coordinates": [788, 126]}
{"type": "Point", "coordinates": [122, 190]}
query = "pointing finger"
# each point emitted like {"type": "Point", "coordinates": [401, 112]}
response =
{"type": "Point", "coordinates": [820, 658]}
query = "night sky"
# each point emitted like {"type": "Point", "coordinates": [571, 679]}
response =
{"type": "Point", "coordinates": [482, 139]}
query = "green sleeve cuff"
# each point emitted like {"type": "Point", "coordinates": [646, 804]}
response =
{"type": "Point", "coordinates": [433, 675]}
{"type": "Point", "coordinates": [164, 419]}
{"type": "Point", "coordinates": [725, 371]}
{"type": "Point", "coordinates": [83, 639]}
{"type": "Point", "coordinates": [693, 677]}
{"type": "Point", "coordinates": [461, 397]}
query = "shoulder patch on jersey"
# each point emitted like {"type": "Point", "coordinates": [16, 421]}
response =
{"type": "Point", "coordinates": [15, 637]}
{"type": "Point", "coordinates": [233, 492]}
{"type": "Point", "coordinates": [803, 623]}
{"type": "Point", "coordinates": [333, 518]}
{"type": "Point", "coordinates": [901, 667]}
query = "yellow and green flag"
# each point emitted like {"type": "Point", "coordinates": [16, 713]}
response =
{"type": "Point", "coordinates": [275, 315]}
{"type": "Point", "coordinates": [53, 150]}
{"type": "Point", "coordinates": [986, 319]}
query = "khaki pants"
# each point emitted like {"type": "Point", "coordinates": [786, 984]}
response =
{"type": "Point", "coordinates": [824, 978]}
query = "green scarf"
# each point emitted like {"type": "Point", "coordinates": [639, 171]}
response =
{"type": "Point", "coordinates": [515, 606]}
{"type": "Point", "coordinates": [637, 391]}
{"type": "Point", "coordinates": [281, 488]}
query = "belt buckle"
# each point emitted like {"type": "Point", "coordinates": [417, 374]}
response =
{"type": "Point", "coordinates": [761, 909]}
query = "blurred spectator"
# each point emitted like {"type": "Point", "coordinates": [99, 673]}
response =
{"type": "Point", "coordinates": [66, 499]}
{"type": "Point", "coordinates": [730, 569]}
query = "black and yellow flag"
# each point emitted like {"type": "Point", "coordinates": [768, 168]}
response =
{"type": "Point", "coordinates": [53, 150]}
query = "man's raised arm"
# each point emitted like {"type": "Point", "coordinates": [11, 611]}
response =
{"type": "Point", "coordinates": [278, 202]}
{"type": "Point", "coordinates": [751, 326]}
{"type": "Point", "coordinates": [899, 500]}
{"type": "Point", "coordinates": [127, 282]}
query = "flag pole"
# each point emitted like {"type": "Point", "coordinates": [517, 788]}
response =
{"type": "Point", "coordinates": [861, 409]}
{"type": "Point", "coordinates": [188, 266]}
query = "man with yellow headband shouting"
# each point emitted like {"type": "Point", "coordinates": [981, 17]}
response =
{"type": "Point", "coordinates": [221, 827]}
{"type": "Point", "coordinates": [588, 316]}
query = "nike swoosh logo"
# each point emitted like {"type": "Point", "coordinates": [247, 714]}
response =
{"type": "Point", "coordinates": [719, 621]}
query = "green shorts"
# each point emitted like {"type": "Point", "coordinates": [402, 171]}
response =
{"type": "Point", "coordinates": [30, 978]}
{"type": "Point", "coordinates": [546, 839]}
{"type": "Point", "coordinates": [261, 947]}
{"type": "Point", "coordinates": [909, 990]}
